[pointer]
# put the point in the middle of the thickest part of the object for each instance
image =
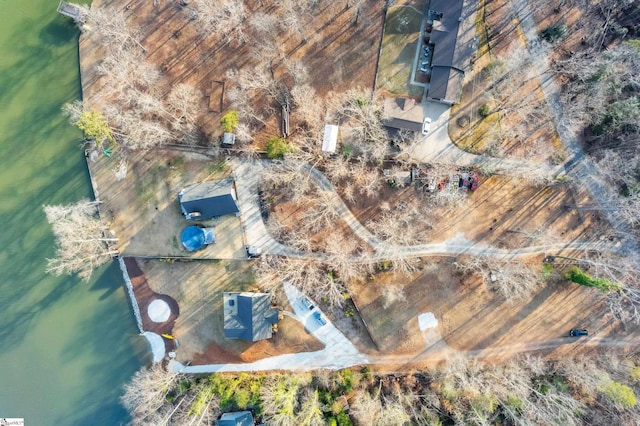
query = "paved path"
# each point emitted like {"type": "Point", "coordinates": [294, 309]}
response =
{"type": "Point", "coordinates": [437, 147]}
{"type": "Point", "coordinates": [247, 174]}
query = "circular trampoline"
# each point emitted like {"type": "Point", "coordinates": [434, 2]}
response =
{"type": "Point", "coordinates": [193, 238]}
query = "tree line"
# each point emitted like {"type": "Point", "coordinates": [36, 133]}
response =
{"type": "Point", "coordinates": [523, 391]}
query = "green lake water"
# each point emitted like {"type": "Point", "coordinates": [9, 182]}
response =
{"type": "Point", "coordinates": [66, 346]}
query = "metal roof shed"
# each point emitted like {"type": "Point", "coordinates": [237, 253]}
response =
{"type": "Point", "coordinates": [228, 139]}
{"type": "Point", "coordinates": [330, 139]}
{"type": "Point", "coordinates": [206, 200]}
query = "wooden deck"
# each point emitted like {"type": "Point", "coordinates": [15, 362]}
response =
{"type": "Point", "coordinates": [144, 296]}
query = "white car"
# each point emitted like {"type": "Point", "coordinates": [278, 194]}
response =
{"type": "Point", "coordinates": [425, 125]}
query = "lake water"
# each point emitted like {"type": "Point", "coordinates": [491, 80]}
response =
{"type": "Point", "coordinates": [66, 347]}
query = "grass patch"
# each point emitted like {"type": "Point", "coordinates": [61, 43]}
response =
{"type": "Point", "coordinates": [218, 168]}
{"type": "Point", "coordinates": [147, 190]}
{"type": "Point", "coordinates": [399, 43]}
{"type": "Point", "coordinates": [481, 136]}
{"type": "Point", "coordinates": [483, 29]}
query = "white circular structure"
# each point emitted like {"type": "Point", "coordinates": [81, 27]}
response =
{"type": "Point", "coordinates": [159, 311]}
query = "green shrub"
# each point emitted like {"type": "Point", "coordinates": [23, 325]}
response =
{"type": "Point", "coordinates": [346, 151]}
{"type": "Point", "coordinates": [347, 381]}
{"type": "Point", "coordinates": [620, 116]}
{"type": "Point", "coordinates": [547, 271]}
{"type": "Point", "coordinates": [634, 44]}
{"type": "Point", "coordinates": [343, 419]}
{"type": "Point", "coordinates": [635, 373]}
{"type": "Point", "coordinates": [229, 121]}
{"type": "Point", "coordinates": [619, 394]}
{"type": "Point", "coordinates": [578, 276]}
{"type": "Point", "coordinates": [277, 148]}
{"type": "Point", "coordinates": [620, 32]}
{"type": "Point", "coordinates": [554, 32]}
{"type": "Point", "coordinates": [560, 384]}
{"type": "Point", "coordinates": [514, 403]}
{"type": "Point", "coordinates": [484, 110]}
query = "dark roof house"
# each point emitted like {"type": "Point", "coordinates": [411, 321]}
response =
{"type": "Point", "coordinates": [238, 418]}
{"type": "Point", "coordinates": [206, 200]}
{"type": "Point", "coordinates": [248, 316]}
{"type": "Point", "coordinates": [449, 57]}
{"type": "Point", "coordinates": [403, 114]}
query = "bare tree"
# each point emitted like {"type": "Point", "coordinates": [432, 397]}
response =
{"type": "Point", "coordinates": [311, 277]}
{"type": "Point", "coordinates": [378, 410]}
{"type": "Point", "coordinates": [310, 412]}
{"type": "Point", "coordinates": [403, 224]}
{"type": "Point", "coordinates": [310, 109]}
{"type": "Point", "coordinates": [361, 110]}
{"type": "Point", "coordinates": [279, 399]}
{"type": "Point", "coordinates": [392, 294]}
{"type": "Point", "coordinates": [516, 280]}
{"type": "Point", "coordinates": [111, 24]}
{"type": "Point", "coordinates": [224, 18]}
{"type": "Point", "coordinates": [146, 393]}
{"type": "Point", "coordinates": [82, 241]}
{"type": "Point", "coordinates": [320, 212]}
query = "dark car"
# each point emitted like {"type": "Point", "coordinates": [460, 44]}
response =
{"type": "Point", "coordinates": [318, 316]}
{"type": "Point", "coordinates": [577, 332]}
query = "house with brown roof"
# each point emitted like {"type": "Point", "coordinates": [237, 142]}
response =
{"type": "Point", "coordinates": [402, 114]}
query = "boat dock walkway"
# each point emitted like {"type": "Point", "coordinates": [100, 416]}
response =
{"type": "Point", "coordinates": [71, 10]}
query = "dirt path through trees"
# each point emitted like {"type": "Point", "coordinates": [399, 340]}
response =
{"type": "Point", "coordinates": [578, 166]}
{"type": "Point", "coordinates": [248, 173]}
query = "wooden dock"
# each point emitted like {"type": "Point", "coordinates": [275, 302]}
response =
{"type": "Point", "coordinates": [70, 10]}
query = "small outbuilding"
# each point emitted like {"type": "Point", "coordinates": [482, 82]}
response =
{"type": "Point", "coordinates": [207, 200]}
{"type": "Point", "coordinates": [238, 418]}
{"type": "Point", "coordinates": [248, 316]}
{"type": "Point", "coordinates": [228, 139]}
{"type": "Point", "coordinates": [330, 140]}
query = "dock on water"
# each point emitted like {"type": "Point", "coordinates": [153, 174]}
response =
{"type": "Point", "coordinates": [71, 10]}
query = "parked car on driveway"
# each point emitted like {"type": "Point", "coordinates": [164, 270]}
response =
{"type": "Point", "coordinates": [577, 332]}
{"type": "Point", "coordinates": [253, 252]}
{"type": "Point", "coordinates": [307, 303]}
{"type": "Point", "coordinates": [318, 316]}
{"type": "Point", "coordinates": [425, 125]}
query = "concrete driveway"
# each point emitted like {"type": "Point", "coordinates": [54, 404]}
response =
{"type": "Point", "coordinates": [437, 147]}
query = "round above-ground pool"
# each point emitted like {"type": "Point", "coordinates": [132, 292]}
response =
{"type": "Point", "coordinates": [194, 237]}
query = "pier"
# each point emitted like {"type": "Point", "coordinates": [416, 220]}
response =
{"type": "Point", "coordinates": [72, 11]}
